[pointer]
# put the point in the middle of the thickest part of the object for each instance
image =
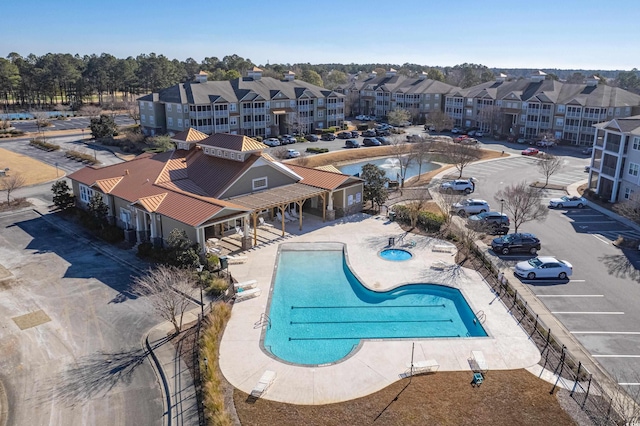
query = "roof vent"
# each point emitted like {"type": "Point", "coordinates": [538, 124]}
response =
{"type": "Point", "coordinates": [126, 172]}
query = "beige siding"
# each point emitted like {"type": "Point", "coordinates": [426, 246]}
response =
{"type": "Point", "coordinates": [274, 177]}
{"type": "Point", "coordinates": [167, 225]}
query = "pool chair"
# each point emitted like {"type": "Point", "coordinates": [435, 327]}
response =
{"type": "Point", "coordinates": [247, 294]}
{"type": "Point", "coordinates": [426, 366]}
{"type": "Point", "coordinates": [279, 217]}
{"type": "Point", "coordinates": [288, 217]}
{"type": "Point", "coordinates": [268, 377]}
{"type": "Point", "coordinates": [294, 214]}
{"type": "Point", "coordinates": [479, 364]}
{"type": "Point", "coordinates": [234, 260]}
{"type": "Point", "coordinates": [239, 232]}
{"type": "Point", "coordinates": [245, 285]}
{"type": "Point", "coordinates": [262, 223]}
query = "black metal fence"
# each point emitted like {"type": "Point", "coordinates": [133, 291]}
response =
{"type": "Point", "coordinates": [585, 390]}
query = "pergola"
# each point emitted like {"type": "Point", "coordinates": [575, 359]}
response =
{"type": "Point", "coordinates": [279, 198]}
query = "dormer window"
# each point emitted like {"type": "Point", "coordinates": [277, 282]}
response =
{"type": "Point", "coordinates": [259, 183]}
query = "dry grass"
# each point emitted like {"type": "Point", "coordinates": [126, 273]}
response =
{"type": "Point", "coordinates": [34, 171]}
{"type": "Point", "coordinates": [513, 397]}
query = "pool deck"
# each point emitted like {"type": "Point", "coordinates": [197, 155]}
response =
{"type": "Point", "coordinates": [376, 364]}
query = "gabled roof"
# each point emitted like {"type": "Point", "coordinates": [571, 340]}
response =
{"type": "Point", "coordinates": [106, 185]}
{"type": "Point", "coordinates": [623, 125]}
{"type": "Point", "coordinates": [190, 135]}
{"type": "Point", "coordinates": [234, 142]}
{"type": "Point", "coordinates": [151, 203]}
{"type": "Point", "coordinates": [321, 178]}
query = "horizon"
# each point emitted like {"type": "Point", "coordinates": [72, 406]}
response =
{"type": "Point", "coordinates": [430, 36]}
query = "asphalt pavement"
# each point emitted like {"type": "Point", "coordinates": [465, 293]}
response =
{"type": "Point", "coordinates": [74, 123]}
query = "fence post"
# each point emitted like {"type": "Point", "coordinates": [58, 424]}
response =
{"type": "Point", "coordinates": [535, 325]}
{"type": "Point", "coordinates": [560, 372]}
{"type": "Point", "coordinates": [577, 378]}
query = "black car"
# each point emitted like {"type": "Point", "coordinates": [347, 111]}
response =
{"type": "Point", "coordinates": [369, 133]}
{"type": "Point", "coordinates": [354, 134]}
{"type": "Point", "coordinates": [383, 140]}
{"type": "Point", "coordinates": [311, 138]}
{"type": "Point", "coordinates": [527, 243]}
{"type": "Point", "coordinates": [344, 135]}
{"type": "Point", "coordinates": [383, 133]}
{"type": "Point", "coordinates": [493, 222]}
{"type": "Point", "coordinates": [351, 143]}
{"type": "Point", "coordinates": [371, 142]}
{"type": "Point", "coordinates": [328, 136]}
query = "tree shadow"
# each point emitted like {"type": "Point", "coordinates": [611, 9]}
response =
{"type": "Point", "coordinates": [622, 265]}
{"type": "Point", "coordinates": [95, 375]}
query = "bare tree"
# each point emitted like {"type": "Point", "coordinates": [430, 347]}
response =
{"type": "Point", "coordinates": [461, 155]}
{"type": "Point", "coordinates": [421, 153]}
{"type": "Point", "coordinates": [303, 160]}
{"type": "Point", "coordinates": [523, 202]}
{"type": "Point", "coordinates": [548, 165]}
{"type": "Point", "coordinates": [400, 149]}
{"type": "Point", "coordinates": [133, 110]}
{"type": "Point", "coordinates": [11, 183]}
{"type": "Point", "coordinates": [398, 116]}
{"type": "Point", "coordinates": [444, 202]}
{"type": "Point", "coordinates": [165, 288]}
{"type": "Point", "coordinates": [439, 120]}
{"type": "Point", "coordinates": [414, 207]}
{"type": "Point", "coordinates": [42, 120]}
{"type": "Point", "coordinates": [91, 111]}
{"type": "Point", "coordinates": [493, 117]}
{"type": "Point", "coordinates": [629, 208]}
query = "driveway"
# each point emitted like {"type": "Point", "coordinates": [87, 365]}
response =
{"type": "Point", "coordinates": [71, 334]}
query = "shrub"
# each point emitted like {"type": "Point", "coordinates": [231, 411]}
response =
{"type": "Point", "coordinates": [315, 150]}
{"type": "Point", "coordinates": [41, 144]}
{"type": "Point", "coordinates": [80, 156]}
{"type": "Point", "coordinates": [329, 130]}
{"type": "Point", "coordinates": [429, 221]}
{"type": "Point", "coordinates": [216, 286]}
{"type": "Point", "coordinates": [363, 127]}
{"type": "Point", "coordinates": [258, 138]}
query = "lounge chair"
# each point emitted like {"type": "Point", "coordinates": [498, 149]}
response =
{"type": "Point", "coordinates": [265, 381]}
{"type": "Point", "coordinates": [262, 223]}
{"type": "Point", "coordinates": [279, 217]}
{"type": "Point", "coordinates": [239, 231]}
{"type": "Point", "coordinates": [236, 259]}
{"type": "Point", "coordinates": [294, 214]}
{"type": "Point", "coordinates": [288, 217]}
{"type": "Point", "coordinates": [245, 285]}
{"type": "Point", "coordinates": [247, 294]}
{"type": "Point", "coordinates": [479, 363]}
{"type": "Point", "coordinates": [426, 366]}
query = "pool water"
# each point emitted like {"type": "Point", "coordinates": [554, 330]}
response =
{"type": "Point", "coordinates": [320, 312]}
{"type": "Point", "coordinates": [396, 254]}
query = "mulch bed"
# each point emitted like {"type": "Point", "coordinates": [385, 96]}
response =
{"type": "Point", "coordinates": [16, 204]}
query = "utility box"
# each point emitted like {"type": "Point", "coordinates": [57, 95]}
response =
{"type": "Point", "coordinates": [392, 216]}
{"type": "Point", "coordinates": [224, 262]}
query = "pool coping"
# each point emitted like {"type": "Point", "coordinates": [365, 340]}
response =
{"type": "Point", "coordinates": [374, 364]}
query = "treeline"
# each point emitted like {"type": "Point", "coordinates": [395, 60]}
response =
{"type": "Point", "coordinates": [73, 80]}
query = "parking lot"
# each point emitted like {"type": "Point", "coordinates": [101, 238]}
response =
{"type": "Point", "coordinates": [75, 123]}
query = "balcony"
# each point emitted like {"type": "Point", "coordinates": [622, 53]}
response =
{"type": "Point", "coordinates": [572, 115]}
{"type": "Point", "coordinates": [611, 171]}
{"type": "Point", "coordinates": [200, 114]}
{"type": "Point", "coordinates": [573, 129]}
{"type": "Point", "coordinates": [612, 146]}
{"type": "Point", "coordinates": [222, 129]}
{"type": "Point", "coordinates": [221, 113]}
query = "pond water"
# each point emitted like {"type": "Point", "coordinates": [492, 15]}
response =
{"type": "Point", "coordinates": [389, 165]}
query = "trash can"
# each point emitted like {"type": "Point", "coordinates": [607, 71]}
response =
{"type": "Point", "coordinates": [392, 241]}
{"type": "Point", "coordinates": [392, 216]}
{"type": "Point", "coordinates": [224, 262]}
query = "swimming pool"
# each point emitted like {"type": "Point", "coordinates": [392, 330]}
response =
{"type": "Point", "coordinates": [320, 312]}
{"type": "Point", "coordinates": [396, 255]}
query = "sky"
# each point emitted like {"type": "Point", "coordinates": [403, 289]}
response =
{"type": "Point", "coordinates": [562, 34]}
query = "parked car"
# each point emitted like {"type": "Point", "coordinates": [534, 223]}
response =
{"type": "Point", "coordinates": [328, 136]}
{"type": "Point", "coordinates": [459, 185]}
{"type": "Point", "coordinates": [404, 124]}
{"type": "Point", "coordinates": [469, 141]}
{"type": "Point", "coordinates": [530, 151]}
{"type": "Point", "coordinates": [362, 117]}
{"type": "Point", "coordinates": [271, 142]}
{"type": "Point", "coordinates": [479, 134]}
{"type": "Point", "coordinates": [460, 138]}
{"type": "Point", "coordinates": [383, 133]}
{"type": "Point", "coordinates": [371, 142]}
{"type": "Point", "coordinates": [351, 143]}
{"type": "Point", "coordinates": [414, 138]}
{"type": "Point", "coordinates": [287, 140]}
{"type": "Point", "coordinates": [565, 201]}
{"type": "Point", "coordinates": [344, 135]}
{"type": "Point", "coordinates": [544, 267]}
{"type": "Point", "coordinates": [495, 222]}
{"type": "Point", "coordinates": [587, 151]}
{"type": "Point", "coordinates": [471, 132]}
{"type": "Point", "coordinates": [470, 206]}
{"type": "Point", "coordinates": [311, 138]}
{"type": "Point", "coordinates": [383, 126]}
{"type": "Point", "coordinates": [354, 133]}
{"type": "Point", "coordinates": [520, 242]}
{"type": "Point", "coordinates": [545, 143]}
{"type": "Point", "coordinates": [522, 140]}
{"type": "Point", "coordinates": [456, 130]}
{"type": "Point", "coordinates": [369, 133]}
{"type": "Point", "coordinates": [383, 140]}
{"type": "Point", "coordinates": [292, 153]}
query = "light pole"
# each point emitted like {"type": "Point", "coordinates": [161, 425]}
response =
{"type": "Point", "coordinates": [501, 205]}
{"type": "Point", "coordinates": [200, 268]}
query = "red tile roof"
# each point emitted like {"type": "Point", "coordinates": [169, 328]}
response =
{"type": "Point", "coordinates": [190, 135]}
{"type": "Point", "coordinates": [234, 142]}
{"type": "Point", "coordinates": [319, 178]}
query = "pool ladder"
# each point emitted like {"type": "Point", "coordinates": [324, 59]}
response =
{"type": "Point", "coordinates": [480, 315]}
{"type": "Point", "coordinates": [264, 320]}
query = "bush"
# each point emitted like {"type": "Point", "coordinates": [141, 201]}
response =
{"type": "Point", "coordinates": [315, 150]}
{"type": "Point", "coordinates": [41, 144]}
{"type": "Point", "coordinates": [363, 127]}
{"type": "Point", "coordinates": [329, 130]}
{"type": "Point", "coordinates": [428, 221]}
{"type": "Point", "coordinates": [80, 156]}
{"type": "Point", "coordinates": [258, 138]}
{"type": "Point", "coordinates": [216, 286]}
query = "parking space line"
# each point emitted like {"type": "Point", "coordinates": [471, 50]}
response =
{"type": "Point", "coordinates": [616, 356]}
{"type": "Point", "coordinates": [577, 281]}
{"type": "Point", "coordinates": [601, 238]}
{"type": "Point", "coordinates": [607, 332]}
{"type": "Point", "coordinates": [570, 295]}
{"type": "Point", "coordinates": [629, 384]}
{"type": "Point", "coordinates": [592, 222]}
{"type": "Point", "coordinates": [587, 313]}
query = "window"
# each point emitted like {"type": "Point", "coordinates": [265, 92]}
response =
{"type": "Point", "coordinates": [469, 101]}
{"type": "Point", "coordinates": [636, 143]}
{"type": "Point", "coordinates": [320, 102]}
{"type": "Point", "coordinates": [142, 117]}
{"type": "Point", "coordinates": [151, 120]}
{"type": "Point", "coordinates": [170, 121]}
{"type": "Point", "coordinates": [85, 193]}
{"type": "Point", "coordinates": [179, 108]}
{"type": "Point", "coordinates": [320, 114]}
{"type": "Point", "coordinates": [633, 169]}
{"type": "Point", "coordinates": [437, 96]}
{"type": "Point", "coordinates": [559, 122]}
{"type": "Point", "coordinates": [560, 108]}
{"type": "Point", "coordinates": [358, 197]}
{"type": "Point", "coordinates": [233, 121]}
{"type": "Point", "coordinates": [350, 200]}
{"type": "Point", "coordinates": [150, 104]}
{"type": "Point", "coordinates": [232, 107]}
{"type": "Point", "coordinates": [259, 183]}
{"type": "Point", "coordinates": [627, 193]}
{"type": "Point", "coordinates": [125, 217]}
{"type": "Point", "coordinates": [168, 107]}
{"type": "Point", "coordinates": [180, 122]}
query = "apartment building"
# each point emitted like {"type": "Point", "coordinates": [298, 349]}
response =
{"type": "Point", "coordinates": [536, 105]}
{"type": "Point", "coordinates": [378, 95]}
{"type": "Point", "coordinates": [615, 163]}
{"type": "Point", "coordinates": [253, 106]}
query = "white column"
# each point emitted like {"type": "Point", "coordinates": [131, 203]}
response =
{"type": "Point", "coordinates": [139, 220]}
{"type": "Point", "coordinates": [330, 201]}
{"type": "Point", "coordinates": [200, 238]}
{"type": "Point", "coordinates": [616, 179]}
{"type": "Point", "coordinates": [154, 225]}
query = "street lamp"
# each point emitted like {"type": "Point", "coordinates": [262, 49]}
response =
{"type": "Point", "coordinates": [501, 205]}
{"type": "Point", "coordinates": [200, 268]}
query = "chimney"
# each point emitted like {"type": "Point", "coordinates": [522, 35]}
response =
{"type": "Point", "coordinates": [501, 77]}
{"type": "Point", "coordinates": [422, 76]}
{"type": "Point", "coordinates": [593, 80]}
{"type": "Point", "coordinates": [201, 77]}
{"type": "Point", "coordinates": [538, 76]}
{"type": "Point", "coordinates": [289, 76]}
{"type": "Point", "coordinates": [255, 73]}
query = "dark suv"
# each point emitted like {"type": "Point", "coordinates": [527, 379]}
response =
{"type": "Point", "coordinates": [328, 136]}
{"type": "Point", "coordinates": [527, 243]}
{"type": "Point", "coordinates": [494, 222]}
{"type": "Point", "coordinates": [369, 133]}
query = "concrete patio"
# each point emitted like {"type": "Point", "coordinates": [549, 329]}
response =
{"type": "Point", "coordinates": [375, 364]}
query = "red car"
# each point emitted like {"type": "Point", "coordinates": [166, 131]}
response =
{"type": "Point", "coordinates": [530, 151]}
{"type": "Point", "coordinates": [461, 138]}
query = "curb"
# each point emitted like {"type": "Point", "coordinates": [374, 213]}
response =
{"type": "Point", "coordinates": [157, 367]}
{"type": "Point", "coordinates": [4, 405]}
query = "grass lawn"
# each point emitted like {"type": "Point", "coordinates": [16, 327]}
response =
{"type": "Point", "coordinates": [514, 397]}
{"type": "Point", "coordinates": [34, 171]}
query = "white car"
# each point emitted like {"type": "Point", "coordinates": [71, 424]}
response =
{"type": "Point", "coordinates": [544, 267]}
{"type": "Point", "coordinates": [362, 117]}
{"type": "Point", "coordinates": [470, 206]}
{"type": "Point", "coordinates": [271, 142]}
{"type": "Point", "coordinates": [459, 185]}
{"type": "Point", "coordinates": [479, 134]}
{"type": "Point", "coordinates": [292, 153]}
{"type": "Point", "coordinates": [565, 201]}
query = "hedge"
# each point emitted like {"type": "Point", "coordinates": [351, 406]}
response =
{"type": "Point", "coordinates": [39, 143]}
{"type": "Point", "coordinates": [429, 221]}
{"type": "Point", "coordinates": [315, 150]}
